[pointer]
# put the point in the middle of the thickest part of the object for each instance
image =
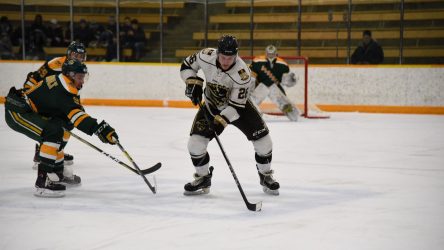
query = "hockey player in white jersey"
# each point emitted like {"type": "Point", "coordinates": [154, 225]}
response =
{"type": "Point", "coordinates": [226, 101]}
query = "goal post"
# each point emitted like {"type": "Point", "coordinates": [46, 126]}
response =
{"type": "Point", "coordinates": [298, 94]}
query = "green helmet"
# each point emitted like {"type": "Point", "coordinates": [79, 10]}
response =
{"type": "Point", "coordinates": [76, 47]}
{"type": "Point", "coordinates": [75, 66]}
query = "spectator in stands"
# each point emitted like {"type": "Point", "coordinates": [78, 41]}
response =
{"type": "Point", "coordinates": [83, 33]}
{"type": "Point", "coordinates": [124, 29]}
{"type": "Point", "coordinates": [5, 26]}
{"type": "Point", "coordinates": [55, 34]}
{"type": "Point", "coordinates": [6, 51]}
{"type": "Point", "coordinates": [136, 40]}
{"type": "Point", "coordinates": [6, 31]}
{"type": "Point", "coordinates": [368, 52]}
{"type": "Point", "coordinates": [37, 36]}
{"type": "Point", "coordinates": [108, 40]}
{"type": "Point", "coordinates": [112, 25]}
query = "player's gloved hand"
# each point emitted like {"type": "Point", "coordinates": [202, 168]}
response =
{"type": "Point", "coordinates": [106, 133]}
{"type": "Point", "coordinates": [220, 122]}
{"type": "Point", "coordinates": [194, 89]}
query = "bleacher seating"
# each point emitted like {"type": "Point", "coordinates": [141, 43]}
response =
{"type": "Point", "coordinates": [324, 28]}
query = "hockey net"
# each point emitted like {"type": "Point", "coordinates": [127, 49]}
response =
{"type": "Point", "coordinates": [298, 94]}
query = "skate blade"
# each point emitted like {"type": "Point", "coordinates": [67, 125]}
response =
{"type": "Point", "coordinates": [198, 192]}
{"type": "Point", "coordinates": [46, 193]}
{"type": "Point", "coordinates": [269, 191]}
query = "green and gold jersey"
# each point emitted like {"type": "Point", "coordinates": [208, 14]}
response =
{"type": "Point", "coordinates": [56, 96]}
{"type": "Point", "coordinates": [49, 68]}
{"type": "Point", "coordinates": [267, 72]}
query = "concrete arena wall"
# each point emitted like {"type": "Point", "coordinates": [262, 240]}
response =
{"type": "Point", "coordinates": [329, 86]}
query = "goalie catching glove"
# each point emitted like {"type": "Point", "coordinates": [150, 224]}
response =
{"type": "Point", "coordinates": [194, 89]}
{"type": "Point", "coordinates": [106, 133]}
{"type": "Point", "coordinates": [289, 79]}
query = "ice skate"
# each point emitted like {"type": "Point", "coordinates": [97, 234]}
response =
{"type": "Point", "coordinates": [47, 185]}
{"type": "Point", "coordinates": [200, 185]}
{"type": "Point", "coordinates": [68, 159]}
{"type": "Point", "coordinates": [269, 184]}
{"type": "Point", "coordinates": [66, 177]}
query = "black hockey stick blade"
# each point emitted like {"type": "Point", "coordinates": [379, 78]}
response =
{"type": "Point", "coordinates": [254, 207]}
{"type": "Point", "coordinates": [152, 169]}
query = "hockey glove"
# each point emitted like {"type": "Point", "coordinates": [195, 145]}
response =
{"type": "Point", "coordinates": [220, 122]}
{"type": "Point", "coordinates": [194, 89]}
{"type": "Point", "coordinates": [106, 133]}
{"type": "Point", "coordinates": [289, 79]}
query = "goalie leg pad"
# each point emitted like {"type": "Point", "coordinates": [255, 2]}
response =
{"type": "Point", "coordinates": [259, 93]}
{"type": "Point", "coordinates": [283, 103]}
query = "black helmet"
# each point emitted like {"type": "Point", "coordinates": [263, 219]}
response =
{"type": "Point", "coordinates": [76, 47]}
{"type": "Point", "coordinates": [227, 45]}
{"type": "Point", "coordinates": [75, 66]}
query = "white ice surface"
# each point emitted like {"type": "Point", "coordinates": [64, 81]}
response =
{"type": "Point", "coordinates": [355, 181]}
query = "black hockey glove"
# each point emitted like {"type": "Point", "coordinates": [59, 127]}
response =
{"type": "Point", "coordinates": [194, 89]}
{"type": "Point", "coordinates": [220, 122]}
{"type": "Point", "coordinates": [106, 133]}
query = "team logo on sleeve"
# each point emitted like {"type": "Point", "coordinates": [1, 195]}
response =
{"type": "Point", "coordinates": [243, 74]}
{"type": "Point", "coordinates": [76, 100]}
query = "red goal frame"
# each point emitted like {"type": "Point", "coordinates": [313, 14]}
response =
{"type": "Point", "coordinates": [306, 95]}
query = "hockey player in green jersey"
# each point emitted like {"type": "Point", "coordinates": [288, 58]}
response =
{"type": "Point", "coordinates": [75, 50]}
{"type": "Point", "coordinates": [45, 113]}
{"type": "Point", "coordinates": [271, 72]}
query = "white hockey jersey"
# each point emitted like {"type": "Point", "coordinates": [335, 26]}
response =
{"type": "Point", "coordinates": [223, 88]}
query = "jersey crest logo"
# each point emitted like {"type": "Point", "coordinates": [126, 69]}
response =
{"type": "Point", "coordinates": [243, 74]}
{"type": "Point", "coordinates": [208, 51]}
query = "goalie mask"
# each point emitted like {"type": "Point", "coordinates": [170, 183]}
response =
{"type": "Point", "coordinates": [227, 45]}
{"type": "Point", "coordinates": [271, 52]}
{"type": "Point", "coordinates": [76, 71]}
{"type": "Point", "coordinates": [76, 50]}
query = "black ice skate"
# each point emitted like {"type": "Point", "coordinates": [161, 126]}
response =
{"type": "Point", "coordinates": [47, 185]}
{"type": "Point", "coordinates": [200, 185]}
{"type": "Point", "coordinates": [68, 159]}
{"type": "Point", "coordinates": [269, 184]}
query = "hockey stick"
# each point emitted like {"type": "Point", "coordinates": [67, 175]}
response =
{"type": "Point", "coordinates": [144, 171]}
{"type": "Point", "coordinates": [250, 206]}
{"type": "Point", "coordinates": [153, 188]}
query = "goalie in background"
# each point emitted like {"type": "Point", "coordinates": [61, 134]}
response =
{"type": "Point", "coordinates": [271, 73]}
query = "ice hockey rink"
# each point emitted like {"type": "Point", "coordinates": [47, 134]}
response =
{"type": "Point", "coordinates": [354, 181]}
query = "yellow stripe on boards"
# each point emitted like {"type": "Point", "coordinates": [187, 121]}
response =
{"type": "Point", "coordinates": [436, 110]}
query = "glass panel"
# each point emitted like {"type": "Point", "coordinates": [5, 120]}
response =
{"type": "Point", "coordinates": [10, 30]}
{"type": "Point", "coordinates": [375, 27]}
{"type": "Point", "coordinates": [46, 28]}
{"type": "Point", "coordinates": [140, 30]}
{"type": "Point", "coordinates": [423, 32]}
{"type": "Point", "coordinates": [184, 30]}
{"type": "Point", "coordinates": [275, 23]}
{"type": "Point", "coordinates": [95, 27]}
